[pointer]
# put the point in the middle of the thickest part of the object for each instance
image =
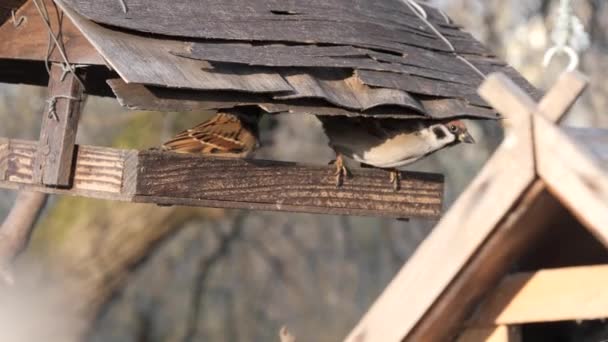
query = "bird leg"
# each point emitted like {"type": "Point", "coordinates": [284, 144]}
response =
{"type": "Point", "coordinates": [395, 178]}
{"type": "Point", "coordinates": [341, 170]}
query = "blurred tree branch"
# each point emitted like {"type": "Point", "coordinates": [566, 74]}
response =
{"type": "Point", "coordinates": [17, 228]}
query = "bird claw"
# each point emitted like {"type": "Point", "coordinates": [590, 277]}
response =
{"type": "Point", "coordinates": [395, 178]}
{"type": "Point", "coordinates": [341, 171]}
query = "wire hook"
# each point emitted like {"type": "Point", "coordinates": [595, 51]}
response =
{"type": "Point", "coordinates": [567, 50]}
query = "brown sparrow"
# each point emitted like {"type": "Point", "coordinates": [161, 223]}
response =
{"type": "Point", "coordinates": [229, 133]}
{"type": "Point", "coordinates": [389, 143]}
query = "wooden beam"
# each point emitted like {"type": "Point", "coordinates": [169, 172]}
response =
{"type": "Point", "coordinates": [573, 293]}
{"type": "Point", "coordinates": [501, 333]}
{"type": "Point", "coordinates": [53, 161]}
{"type": "Point", "coordinates": [429, 299]}
{"type": "Point", "coordinates": [574, 176]}
{"type": "Point", "coordinates": [29, 39]}
{"type": "Point", "coordinates": [181, 179]}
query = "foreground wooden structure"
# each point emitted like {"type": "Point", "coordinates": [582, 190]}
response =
{"type": "Point", "coordinates": [541, 201]}
{"type": "Point", "coordinates": [178, 179]}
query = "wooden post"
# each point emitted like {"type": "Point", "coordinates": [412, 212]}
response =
{"type": "Point", "coordinates": [55, 153]}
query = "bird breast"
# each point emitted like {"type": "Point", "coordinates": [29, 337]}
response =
{"type": "Point", "coordinates": [394, 152]}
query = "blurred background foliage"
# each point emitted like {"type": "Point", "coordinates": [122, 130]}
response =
{"type": "Point", "coordinates": [132, 272]}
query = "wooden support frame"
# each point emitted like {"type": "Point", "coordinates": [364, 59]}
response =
{"type": "Point", "coordinates": [496, 210]}
{"type": "Point", "coordinates": [53, 160]}
{"type": "Point", "coordinates": [183, 179]}
{"type": "Point", "coordinates": [571, 293]}
{"type": "Point", "coordinates": [500, 333]}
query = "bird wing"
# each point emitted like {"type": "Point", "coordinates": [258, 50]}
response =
{"type": "Point", "coordinates": [222, 135]}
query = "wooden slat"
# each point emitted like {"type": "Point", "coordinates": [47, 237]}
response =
{"type": "Point", "coordinates": [179, 179]}
{"type": "Point", "coordinates": [429, 298]}
{"type": "Point", "coordinates": [184, 179]}
{"type": "Point", "coordinates": [384, 25]}
{"type": "Point", "coordinates": [53, 161]}
{"type": "Point", "coordinates": [572, 174]}
{"type": "Point", "coordinates": [140, 59]}
{"type": "Point", "coordinates": [141, 97]}
{"type": "Point", "coordinates": [29, 41]}
{"type": "Point", "coordinates": [501, 333]}
{"type": "Point", "coordinates": [574, 293]}
{"type": "Point", "coordinates": [460, 233]}
{"type": "Point", "coordinates": [98, 171]}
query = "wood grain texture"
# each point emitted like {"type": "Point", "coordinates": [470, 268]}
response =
{"type": "Point", "coordinates": [428, 300]}
{"type": "Point", "coordinates": [29, 40]}
{"type": "Point", "coordinates": [142, 97]}
{"type": "Point", "coordinates": [500, 333]}
{"type": "Point", "coordinates": [564, 294]}
{"type": "Point", "coordinates": [53, 161]}
{"type": "Point", "coordinates": [188, 179]}
{"type": "Point", "coordinates": [383, 25]}
{"type": "Point", "coordinates": [140, 59]}
{"type": "Point", "coordinates": [98, 171]}
{"type": "Point", "coordinates": [459, 235]}
{"type": "Point", "coordinates": [180, 179]}
{"type": "Point", "coordinates": [6, 7]}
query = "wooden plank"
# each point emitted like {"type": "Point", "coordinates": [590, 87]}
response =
{"type": "Point", "coordinates": [572, 174]}
{"type": "Point", "coordinates": [53, 161]}
{"type": "Point", "coordinates": [563, 95]}
{"type": "Point", "coordinates": [4, 152]}
{"type": "Point", "coordinates": [141, 97]}
{"type": "Point", "coordinates": [424, 305]}
{"type": "Point", "coordinates": [29, 40]}
{"type": "Point", "coordinates": [565, 294]}
{"type": "Point", "coordinates": [501, 333]}
{"type": "Point", "coordinates": [184, 179]}
{"type": "Point", "coordinates": [140, 59]}
{"type": "Point", "coordinates": [6, 6]}
{"type": "Point", "coordinates": [179, 179]}
{"type": "Point", "coordinates": [98, 172]}
{"type": "Point", "coordinates": [457, 237]}
{"type": "Point", "coordinates": [342, 22]}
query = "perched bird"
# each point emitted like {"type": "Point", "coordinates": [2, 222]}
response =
{"type": "Point", "coordinates": [229, 133]}
{"type": "Point", "coordinates": [389, 143]}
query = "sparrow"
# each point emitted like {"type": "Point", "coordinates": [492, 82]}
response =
{"type": "Point", "coordinates": [389, 143]}
{"type": "Point", "coordinates": [229, 133]}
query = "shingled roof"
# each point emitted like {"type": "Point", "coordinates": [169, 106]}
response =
{"type": "Point", "coordinates": [342, 57]}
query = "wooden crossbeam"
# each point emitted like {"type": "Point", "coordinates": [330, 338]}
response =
{"type": "Point", "coordinates": [500, 333]}
{"type": "Point", "coordinates": [184, 179]}
{"type": "Point", "coordinates": [572, 293]}
{"type": "Point", "coordinates": [489, 225]}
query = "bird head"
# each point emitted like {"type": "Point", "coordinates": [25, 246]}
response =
{"type": "Point", "coordinates": [459, 130]}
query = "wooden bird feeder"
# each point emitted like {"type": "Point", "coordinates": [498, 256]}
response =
{"type": "Point", "coordinates": [347, 63]}
{"type": "Point", "coordinates": [539, 206]}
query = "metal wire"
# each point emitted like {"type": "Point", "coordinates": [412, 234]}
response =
{"type": "Point", "coordinates": [568, 36]}
{"type": "Point", "coordinates": [421, 13]}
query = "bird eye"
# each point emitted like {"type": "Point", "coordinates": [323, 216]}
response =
{"type": "Point", "coordinates": [452, 128]}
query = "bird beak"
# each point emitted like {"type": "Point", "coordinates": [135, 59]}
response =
{"type": "Point", "coordinates": [466, 138]}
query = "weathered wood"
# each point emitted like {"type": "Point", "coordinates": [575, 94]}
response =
{"type": "Point", "coordinates": [53, 161]}
{"type": "Point", "coordinates": [501, 333]}
{"type": "Point", "coordinates": [183, 179]}
{"type": "Point", "coordinates": [424, 305]}
{"type": "Point", "coordinates": [141, 97]}
{"type": "Point", "coordinates": [29, 40]}
{"type": "Point", "coordinates": [180, 179]}
{"type": "Point", "coordinates": [565, 294]}
{"type": "Point", "coordinates": [98, 172]}
{"type": "Point", "coordinates": [140, 59]}
{"type": "Point", "coordinates": [478, 210]}
{"type": "Point", "coordinates": [573, 175]}
{"type": "Point", "coordinates": [6, 7]}
{"type": "Point", "coordinates": [382, 25]}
